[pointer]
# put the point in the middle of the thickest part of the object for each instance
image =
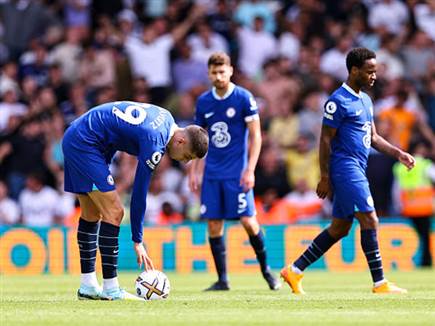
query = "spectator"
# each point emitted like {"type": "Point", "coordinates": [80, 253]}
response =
{"type": "Point", "coordinates": [417, 196]}
{"type": "Point", "coordinates": [205, 42]}
{"type": "Point", "coordinates": [303, 204]}
{"type": "Point", "coordinates": [252, 56]}
{"type": "Point", "coordinates": [68, 53]}
{"type": "Point", "coordinates": [156, 49]}
{"type": "Point", "coordinates": [39, 203]}
{"type": "Point", "coordinates": [9, 210]}
{"type": "Point", "coordinates": [389, 14]}
{"type": "Point", "coordinates": [302, 161]}
{"type": "Point", "coordinates": [247, 12]}
{"type": "Point", "coordinates": [188, 72]}
{"type": "Point", "coordinates": [403, 122]}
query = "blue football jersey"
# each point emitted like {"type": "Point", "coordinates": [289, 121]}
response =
{"type": "Point", "coordinates": [352, 115]}
{"type": "Point", "coordinates": [140, 129]}
{"type": "Point", "coordinates": [226, 121]}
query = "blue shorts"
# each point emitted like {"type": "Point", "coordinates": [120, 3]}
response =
{"type": "Point", "coordinates": [225, 199]}
{"type": "Point", "coordinates": [86, 167]}
{"type": "Point", "coordinates": [350, 197]}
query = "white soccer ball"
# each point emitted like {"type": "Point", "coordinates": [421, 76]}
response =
{"type": "Point", "coordinates": [152, 285]}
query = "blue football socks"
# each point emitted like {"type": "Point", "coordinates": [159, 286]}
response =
{"type": "Point", "coordinates": [219, 255]}
{"type": "Point", "coordinates": [108, 244]}
{"type": "Point", "coordinates": [87, 233]}
{"type": "Point", "coordinates": [257, 242]}
{"type": "Point", "coordinates": [369, 243]}
{"type": "Point", "coordinates": [317, 248]}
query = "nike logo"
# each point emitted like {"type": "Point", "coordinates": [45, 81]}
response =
{"type": "Point", "coordinates": [208, 115]}
{"type": "Point", "coordinates": [358, 112]}
{"type": "Point", "coordinates": [115, 251]}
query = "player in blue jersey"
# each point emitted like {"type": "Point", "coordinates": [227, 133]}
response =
{"type": "Point", "coordinates": [348, 132]}
{"type": "Point", "coordinates": [140, 129]}
{"type": "Point", "coordinates": [230, 114]}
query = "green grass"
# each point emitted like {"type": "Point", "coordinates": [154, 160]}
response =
{"type": "Point", "coordinates": [332, 299]}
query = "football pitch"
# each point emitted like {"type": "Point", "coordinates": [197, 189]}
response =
{"type": "Point", "coordinates": [332, 299]}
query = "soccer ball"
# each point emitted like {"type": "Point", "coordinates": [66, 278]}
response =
{"type": "Point", "coordinates": [152, 285]}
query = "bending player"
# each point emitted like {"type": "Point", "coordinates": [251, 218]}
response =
{"type": "Point", "coordinates": [140, 129]}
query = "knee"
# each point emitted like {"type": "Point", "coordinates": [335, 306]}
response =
{"type": "Point", "coordinates": [369, 222]}
{"type": "Point", "coordinates": [338, 232]}
{"type": "Point", "coordinates": [115, 215]}
{"type": "Point", "coordinates": [250, 225]}
{"type": "Point", "coordinates": [215, 228]}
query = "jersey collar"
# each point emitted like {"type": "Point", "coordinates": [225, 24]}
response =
{"type": "Point", "coordinates": [350, 90]}
{"type": "Point", "coordinates": [226, 95]}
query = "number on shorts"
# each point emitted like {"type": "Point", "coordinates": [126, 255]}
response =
{"type": "Point", "coordinates": [243, 203]}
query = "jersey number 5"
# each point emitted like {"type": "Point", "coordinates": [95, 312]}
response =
{"type": "Point", "coordinates": [128, 116]}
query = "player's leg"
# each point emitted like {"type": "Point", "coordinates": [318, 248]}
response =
{"type": "Point", "coordinates": [369, 243]}
{"type": "Point", "coordinates": [293, 273]}
{"type": "Point", "coordinates": [112, 211]}
{"type": "Point", "coordinates": [256, 239]}
{"type": "Point", "coordinates": [211, 210]}
{"type": "Point", "coordinates": [87, 233]}
{"type": "Point", "coordinates": [218, 250]}
{"type": "Point", "coordinates": [423, 227]}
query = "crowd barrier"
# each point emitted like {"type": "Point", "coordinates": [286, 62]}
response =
{"type": "Point", "coordinates": [184, 248]}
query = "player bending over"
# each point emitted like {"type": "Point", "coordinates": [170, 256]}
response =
{"type": "Point", "coordinates": [140, 129]}
{"type": "Point", "coordinates": [230, 114]}
{"type": "Point", "coordinates": [348, 132]}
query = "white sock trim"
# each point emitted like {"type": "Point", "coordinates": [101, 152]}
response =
{"type": "Point", "coordinates": [110, 283]}
{"type": "Point", "coordinates": [379, 283]}
{"type": "Point", "coordinates": [89, 279]}
{"type": "Point", "coordinates": [296, 270]}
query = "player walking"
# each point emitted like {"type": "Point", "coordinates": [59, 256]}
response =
{"type": "Point", "coordinates": [348, 132]}
{"type": "Point", "coordinates": [140, 129]}
{"type": "Point", "coordinates": [230, 114]}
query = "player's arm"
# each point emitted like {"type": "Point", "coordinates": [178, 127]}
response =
{"type": "Point", "coordinates": [328, 133]}
{"type": "Point", "coordinates": [254, 138]}
{"type": "Point", "coordinates": [181, 30]}
{"type": "Point", "coordinates": [194, 173]}
{"type": "Point", "coordinates": [381, 145]}
{"type": "Point", "coordinates": [137, 212]}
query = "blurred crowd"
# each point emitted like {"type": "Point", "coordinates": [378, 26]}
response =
{"type": "Point", "coordinates": [59, 58]}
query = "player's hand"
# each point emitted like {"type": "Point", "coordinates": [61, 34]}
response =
{"type": "Point", "coordinates": [407, 159]}
{"type": "Point", "coordinates": [142, 257]}
{"type": "Point", "coordinates": [193, 182]}
{"type": "Point", "coordinates": [247, 180]}
{"type": "Point", "coordinates": [323, 188]}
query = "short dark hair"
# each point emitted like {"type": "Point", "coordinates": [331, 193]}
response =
{"type": "Point", "coordinates": [218, 59]}
{"type": "Point", "coordinates": [198, 137]}
{"type": "Point", "coordinates": [357, 57]}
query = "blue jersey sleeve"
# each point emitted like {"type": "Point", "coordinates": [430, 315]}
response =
{"type": "Point", "coordinates": [148, 160]}
{"type": "Point", "coordinates": [138, 200]}
{"type": "Point", "coordinates": [250, 108]}
{"type": "Point", "coordinates": [333, 114]}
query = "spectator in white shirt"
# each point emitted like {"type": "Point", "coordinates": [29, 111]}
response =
{"type": "Point", "coordinates": [256, 46]}
{"type": "Point", "coordinates": [333, 61]}
{"type": "Point", "coordinates": [205, 42]}
{"type": "Point", "coordinates": [39, 203]}
{"type": "Point", "coordinates": [390, 14]}
{"type": "Point", "coordinates": [9, 210]}
{"type": "Point", "coordinates": [150, 56]}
